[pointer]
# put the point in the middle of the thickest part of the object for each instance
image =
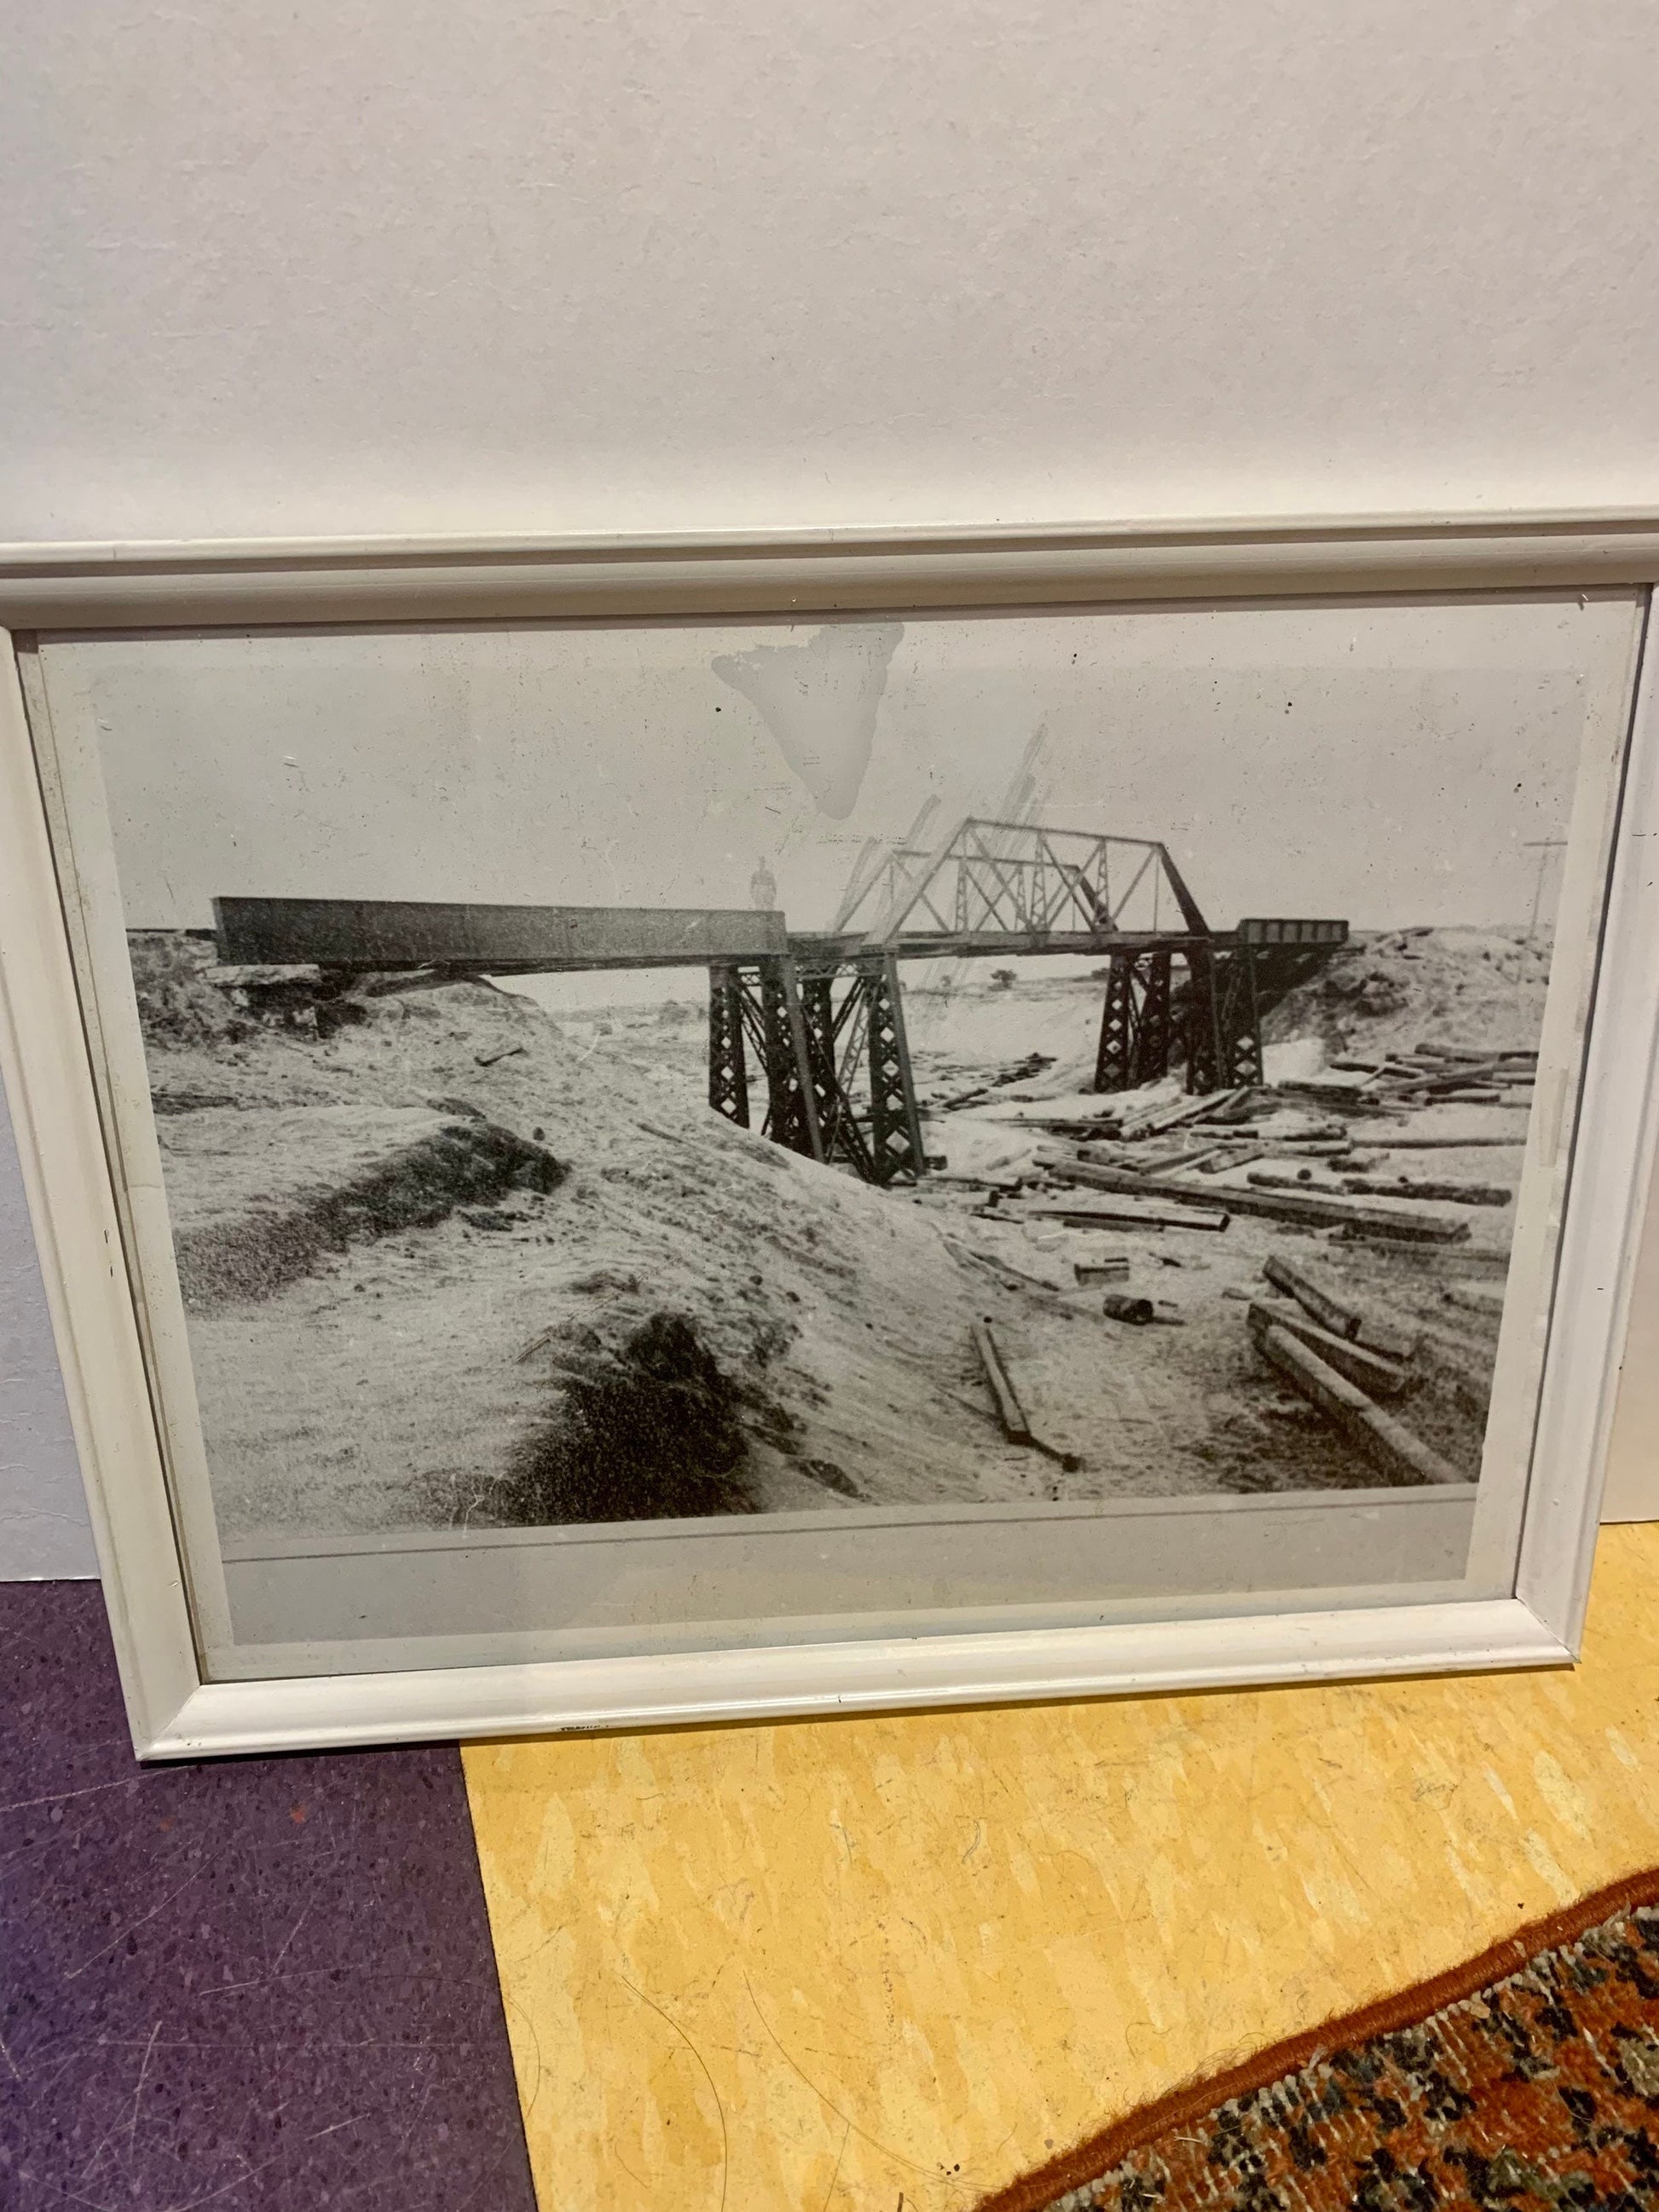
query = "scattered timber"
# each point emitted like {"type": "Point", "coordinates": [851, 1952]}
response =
{"type": "Point", "coordinates": [1476, 1297]}
{"type": "Point", "coordinates": [1353, 1099]}
{"type": "Point", "coordinates": [1033, 1065]}
{"type": "Point", "coordinates": [1432, 1075]}
{"type": "Point", "coordinates": [1321, 1093]}
{"type": "Point", "coordinates": [1330, 1311]}
{"type": "Point", "coordinates": [1012, 1415]}
{"type": "Point", "coordinates": [1358, 1324]}
{"type": "Point", "coordinates": [1010, 1412]}
{"type": "Point", "coordinates": [1004, 1272]}
{"type": "Point", "coordinates": [1270, 1179]}
{"type": "Point", "coordinates": [1229, 1104]}
{"type": "Point", "coordinates": [1373, 1371]}
{"type": "Point", "coordinates": [1139, 1311]}
{"type": "Point", "coordinates": [1388, 1236]}
{"type": "Point", "coordinates": [1518, 1057]}
{"type": "Point", "coordinates": [1188, 1155]}
{"type": "Point", "coordinates": [1083, 1127]}
{"type": "Point", "coordinates": [1517, 1143]}
{"type": "Point", "coordinates": [1158, 1162]}
{"type": "Point", "coordinates": [1251, 1108]}
{"type": "Point", "coordinates": [1453, 1193]}
{"type": "Point", "coordinates": [1110, 1267]}
{"type": "Point", "coordinates": [1105, 1212]}
{"type": "Point", "coordinates": [1402, 1218]}
{"type": "Point", "coordinates": [1385, 1442]}
{"type": "Point", "coordinates": [1161, 1118]}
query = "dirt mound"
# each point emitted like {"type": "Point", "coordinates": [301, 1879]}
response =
{"type": "Point", "coordinates": [1395, 990]}
{"type": "Point", "coordinates": [255, 1254]}
{"type": "Point", "coordinates": [650, 1429]}
{"type": "Point", "coordinates": [541, 1353]}
{"type": "Point", "coordinates": [177, 1005]}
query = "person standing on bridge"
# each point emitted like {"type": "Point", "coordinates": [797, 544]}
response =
{"type": "Point", "coordinates": [763, 887]}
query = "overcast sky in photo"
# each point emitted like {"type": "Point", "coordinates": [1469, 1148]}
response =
{"type": "Point", "coordinates": [1388, 764]}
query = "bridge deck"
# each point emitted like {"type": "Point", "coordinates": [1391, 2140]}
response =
{"type": "Point", "coordinates": [380, 934]}
{"type": "Point", "coordinates": [1002, 943]}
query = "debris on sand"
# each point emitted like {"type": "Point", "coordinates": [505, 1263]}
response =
{"type": "Point", "coordinates": [1347, 1349]}
{"type": "Point", "coordinates": [1452, 1194]}
{"type": "Point", "coordinates": [1303, 1204]}
{"type": "Point", "coordinates": [1023, 1071]}
{"type": "Point", "coordinates": [1370, 1371]}
{"type": "Point", "coordinates": [1016, 1423]}
{"type": "Point", "coordinates": [1395, 1450]}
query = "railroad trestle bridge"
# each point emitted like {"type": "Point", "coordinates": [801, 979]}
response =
{"type": "Point", "coordinates": [806, 1028]}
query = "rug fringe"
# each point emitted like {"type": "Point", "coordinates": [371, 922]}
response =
{"type": "Point", "coordinates": [1099, 2154]}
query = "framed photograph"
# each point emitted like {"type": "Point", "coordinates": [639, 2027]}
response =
{"type": "Point", "coordinates": [625, 1133]}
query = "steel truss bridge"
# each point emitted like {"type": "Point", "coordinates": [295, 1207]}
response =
{"type": "Point", "coordinates": [806, 1030]}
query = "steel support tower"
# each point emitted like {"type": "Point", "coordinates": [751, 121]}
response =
{"type": "Point", "coordinates": [829, 1036]}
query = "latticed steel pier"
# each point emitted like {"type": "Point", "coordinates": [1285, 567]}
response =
{"type": "Point", "coordinates": [839, 1025]}
{"type": "Point", "coordinates": [1197, 1002]}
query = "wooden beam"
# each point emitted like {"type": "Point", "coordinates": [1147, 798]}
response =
{"type": "Point", "coordinates": [1015, 1426]}
{"type": "Point", "coordinates": [1403, 1217]}
{"type": "Point", "coordinates": [1367, 1371]}
{"type": "Point", "coordinates": [1388, 1443]}
{"type": "Point", "coordinates": [1122, 1213]}
{"type": "Point", "coordinates": [1343, 1318]}
{"type": "Point", "coordinates": [1330, 1311]}
{"type": "Point", "coordinates": [1452, 1194]}
{"type": "Point", "coordinates": [1438, 1144]}
{"type": "Point", "coordinates": [1010, 1412]}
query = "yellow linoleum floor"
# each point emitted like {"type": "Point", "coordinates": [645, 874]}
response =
{"type": "Point", "coordinates": [844, 1966]}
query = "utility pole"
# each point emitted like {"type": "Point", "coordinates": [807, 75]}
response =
{"type": "Point", "coordinates": [1543, 847]}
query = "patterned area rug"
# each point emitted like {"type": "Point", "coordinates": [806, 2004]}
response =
{"type": "Point", "coordinates": [1527, 2078]}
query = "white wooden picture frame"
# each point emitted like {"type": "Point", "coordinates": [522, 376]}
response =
{"type": "Point", "coordinates": [73, 1073]}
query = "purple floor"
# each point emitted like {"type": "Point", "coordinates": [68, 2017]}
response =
{"type": "Point", "coordinates": [261, 1984]}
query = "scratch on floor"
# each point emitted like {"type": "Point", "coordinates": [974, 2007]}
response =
{"type": "Point", "coordinates": [828, 2102]}
{"type": "Point", "coordinates": [132, 1929]}
{"type": "Point", "coordinates": [713, 2086]}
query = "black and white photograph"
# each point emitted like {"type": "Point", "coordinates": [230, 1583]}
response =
{"type": "Point", "coordinates": [635, 1071]}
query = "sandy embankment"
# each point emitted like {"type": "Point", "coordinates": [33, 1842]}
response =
{"type": "Point", "coordinates": [686, 1318]}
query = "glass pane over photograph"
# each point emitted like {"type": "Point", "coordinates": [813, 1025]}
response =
{"type": "Point", "coordinates": [686, 1134]}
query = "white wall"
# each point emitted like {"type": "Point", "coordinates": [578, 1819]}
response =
{"type": "Point", "coordinates": [403, 264]}
{"type": "Point", "coordinates": [406, 265]}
